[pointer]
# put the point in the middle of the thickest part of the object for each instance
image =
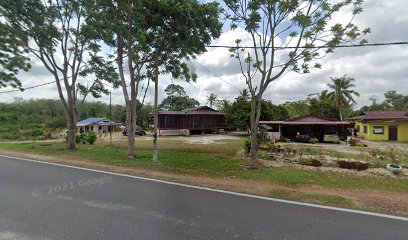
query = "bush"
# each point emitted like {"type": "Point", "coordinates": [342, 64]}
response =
{"type": "Point", "coordinates": [359, 166]}
{"type": "Point", "coordinates": [78, 138]}
{"type": "Point", "coordinates": [260, 140]}
{"type": "Point", "coordinates": [275, 147]}
{"type": "Point", "coordinates": [91, 137]}
{"type": "Point", "coordinates": [247, 145]}
{"type": "Point", "coordinates": [86, 137]}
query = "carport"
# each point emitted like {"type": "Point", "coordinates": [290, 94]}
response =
{"type": "Point", "coordinates": [315, 126]}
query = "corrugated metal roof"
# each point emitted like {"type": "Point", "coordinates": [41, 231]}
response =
{"type": "Point", "coordinates": [202, 110]}
{"type": "Point", "coordinates": [98, 121]}
{"type": "Point", "coordinates": [89, 121]}
{"type": "Point", "coordinates": [382, 115]}
{"type": "Point", "coordinates": [317, 123]}
{"type": "Point", "coordinates": [308, 120]}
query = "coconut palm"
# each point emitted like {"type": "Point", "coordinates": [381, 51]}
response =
{"type": "Point", "coordinates": [212, 99]}
{"type": "Point", "coordinates": [321, 97]}
{"type": "Point", "coordinates": [244, 93]}
{"type": "Point", "coordinates": [342, 94]}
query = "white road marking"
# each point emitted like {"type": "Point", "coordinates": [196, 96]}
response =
{"type": "Point", "coordinates": [219, 190]}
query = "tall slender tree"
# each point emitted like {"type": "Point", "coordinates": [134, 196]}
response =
{"type": "Point", "coordinates": [152, 37]}
{"type": "Point", "coordinates": [273, 25]}
{"type": "Point", "coordinates": [341, 95]}
{"type": "Point", "coordinates": [212, 99]}
{"type": "Point", "coordinates": [55, 33]}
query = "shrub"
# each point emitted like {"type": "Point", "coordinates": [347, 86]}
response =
{"type": "Point", "coordinates": [78, 138]}
{"type": "Point", "coordinates": [247, 145]}
{"type": "Point", "coordinates": [260, 140]}
{"type": "Point", "coordinates": [91, 137]}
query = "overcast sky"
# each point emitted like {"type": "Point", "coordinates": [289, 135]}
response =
{"type": "Point", "coordinates": [376, 69]}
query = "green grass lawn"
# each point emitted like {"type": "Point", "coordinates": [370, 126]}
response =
{"type": "Point", "coordinates": [209, 160]}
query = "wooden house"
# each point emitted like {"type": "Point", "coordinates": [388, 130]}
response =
{"type": "Point", "coordinates": [192, 120]}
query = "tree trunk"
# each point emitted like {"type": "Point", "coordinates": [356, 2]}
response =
{"type": "Point", "coordinates": [71, 114]}
{"type": "Point", "coordinates": [156, 115]}
{"type": "Point", "coordinates": [255, 114]}
{"type": "Point", "coordinates": [130, 131]}
{"type": "Point", "coordinates": [71, 123]}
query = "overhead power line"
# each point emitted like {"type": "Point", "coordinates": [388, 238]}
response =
{"type": "Point", "coordinates": [208, 70]}
{"type": "Point", "coordinates": [316, 47]}
{"type": "Point", "coordinates": [251, 47]}
{"type": "Point", "coordinates": [35, 86]}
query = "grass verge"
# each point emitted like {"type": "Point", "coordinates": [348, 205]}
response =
{"type": "Point", "coordinates": [214, 162]}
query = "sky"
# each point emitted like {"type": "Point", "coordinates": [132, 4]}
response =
{"type": "Point", "coordinates": [375, 69]}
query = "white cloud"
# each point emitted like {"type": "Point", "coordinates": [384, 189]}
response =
{"type": "Point", "coordinates": [376, 69]}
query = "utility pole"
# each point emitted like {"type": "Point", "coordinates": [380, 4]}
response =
{"type": "Point", "coordinates": [110, 117]}
{"type": "Point", "coordinates": [155, 109]}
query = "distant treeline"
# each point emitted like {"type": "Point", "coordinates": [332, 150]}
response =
{"type": "Point", "coordinates": [47, 115]}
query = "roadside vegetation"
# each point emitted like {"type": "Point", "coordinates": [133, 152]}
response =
{"type": "Point", "coordinates": [219, 159]}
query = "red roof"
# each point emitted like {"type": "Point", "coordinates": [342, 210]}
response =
{"type": "Point", "coordinates": [383, 115]}
{"type": "Point", "coordinates": [202, 110]}
{"type": "Point", "coordinates": [311, 118]}
{"type": "Point", "coordinates": [308, 120]}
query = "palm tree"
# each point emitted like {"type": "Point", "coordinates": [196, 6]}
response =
{"type": "Point", "coordinates": [321, 97]}
{"type": "Point", "coordinates": [244, 93]}
{"type": "Point", "coordinates": [212, 99]}
{"type": "Point", "coordinates": [342, 95]}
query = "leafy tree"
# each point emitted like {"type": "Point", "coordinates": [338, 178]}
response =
{"type": "Point", "coordinates": [397, 101]}
{"type": "Point", "coordinates": [296, 108]}
{"type": "Point", "coordinates": [271, 112]}
{"type": "Point", "coordinates": [322, 108]}
{"type": "Point", "coordinates": [239, 112]}
{"type": "Point", "coordinates": [341, 95]}
{"type": "Point", "coordinates": [177, 99]}
{"type": "Point", "coordinates": [320, 105]}
{"type": "Point", "coordinates": [12, 58]}
{"type": "Point", "coordinates": [303, 23]}
{"type": "Point", "coordinates": [155, 36]}
{"type": "Point", "coordinates": [244, 93]}
{"type": "Point", "coordinates": [393, 102]}
{"type": "Point", "coordinates": [212, 99]}
{"type": "Point", "coordinates": [223, 105]}
{"type": "Point", "coordinates": [56, 34]}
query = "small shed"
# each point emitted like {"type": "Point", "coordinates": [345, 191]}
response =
{"type": "Point", "coordinates": [97, 125]}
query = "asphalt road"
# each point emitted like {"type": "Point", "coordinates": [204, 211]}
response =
{"type": "Point", "coordinates": [42, 201]}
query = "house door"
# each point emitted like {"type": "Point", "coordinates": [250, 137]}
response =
{"type": "Point", "coordinates": [393, 133]}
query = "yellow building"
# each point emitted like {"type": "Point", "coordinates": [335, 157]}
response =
{"type": "Point", "coordinates": [382, 125]}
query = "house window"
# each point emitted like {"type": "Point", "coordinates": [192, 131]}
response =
{"type": "Point", "coordinates": [358, 128]}
{"type": "Point", "coordinates": [170, 121]}
{"type": "Point", "coordinates": [378, 130]}
{"type": "Point", "coordinates": [196, 121]}
{"type": "Point", "coordinates": [365, 129]}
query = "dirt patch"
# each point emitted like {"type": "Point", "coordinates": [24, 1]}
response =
{"type": "Point", "coordinates": [210, 139]}
{"type": "Point", "coordinates": [387, 202]}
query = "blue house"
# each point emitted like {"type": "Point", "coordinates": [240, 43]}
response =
{"type": "Point", "coordinates": [97, 125]}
